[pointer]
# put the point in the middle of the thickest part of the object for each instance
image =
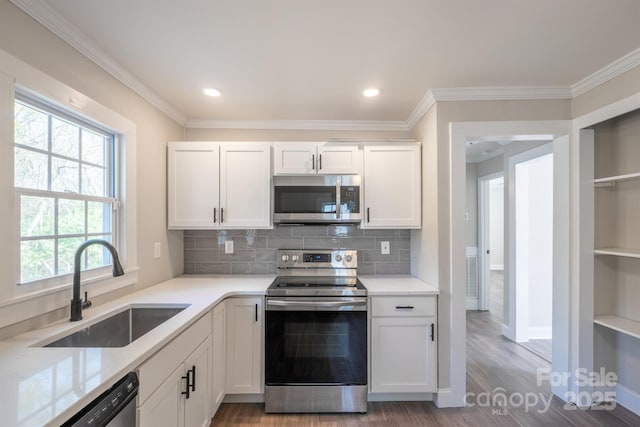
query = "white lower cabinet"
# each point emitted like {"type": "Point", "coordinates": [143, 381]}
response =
{"type": "Point", "coordinates": [244, 342]}
{"type": "Point", "coordinates": [403, 344]}
{"type": "Point", "coordinates": [183, 397]}
{"type": "Point", "coordinates": [219, 333]}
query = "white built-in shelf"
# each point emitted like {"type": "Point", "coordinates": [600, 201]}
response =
{"type": "Point", "coordinates": [625, 252]}
{"type": "Point", "coordinates": [620, 324]}
{"type": "Point", "coordinates": [611, 180]}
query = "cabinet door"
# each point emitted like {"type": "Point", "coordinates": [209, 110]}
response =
{"type": "Point", "coordinates": [392, 182]}
{"type": "Point", "coordinates": [403, 355]}
{"type": "Point", "coordinates": [297, 158]}
{"type": "Point", "coordinates": [244, 345]}
{"type": "Point", "coordinates": [197, 406]}
{"type": "Point", "coordinates": [165, 406]}
{"type": "Point", "coordinates": [337, 159]}
{"type": "Point", "coordinates": [245, 185]}
{"type": "Point", "coordinates": [193, 183]}
{"type": "Point", "coordinates": [218, 355]}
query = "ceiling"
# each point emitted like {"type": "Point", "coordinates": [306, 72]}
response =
{"type": "Point", "coordinates": [282, 60]}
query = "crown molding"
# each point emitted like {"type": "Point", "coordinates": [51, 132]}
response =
{"type": "Point", "coordinates": [501, 93]}
{"type": "Point", "coordinates": [607, 73]}
{"type": "Point", "coordinates": [421, 109]}
{"type": "Point", "coordinates": [45, 15]}
{"type": "Point", "coordinates": [326, 125]}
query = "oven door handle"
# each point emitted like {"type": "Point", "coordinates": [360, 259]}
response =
{"type": "Point", "coordinates": [313, 304]}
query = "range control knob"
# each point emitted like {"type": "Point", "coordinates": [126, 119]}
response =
{"type": "Point", "coordinates": [295, 258]}
{"type": "Point", "coordinates": [338, 258]}
{"type": "Point", "coordinates": [285, 258]}
{"type": "Point", "coordinates": [348, 258]}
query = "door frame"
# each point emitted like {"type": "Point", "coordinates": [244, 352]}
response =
{"type": "Point", "coordinates": [484, 239]}
{"type": "Point", "coordinates": [459, 132]}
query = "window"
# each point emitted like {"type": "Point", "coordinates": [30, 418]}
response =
{"type": "Point", "coordinates": [65, 184]}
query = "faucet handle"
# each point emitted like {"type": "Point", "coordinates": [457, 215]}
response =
{"type": "Point", "coordinates": [86, 303]}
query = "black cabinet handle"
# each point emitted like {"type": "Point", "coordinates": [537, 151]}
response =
{"type": "Point", "coordinates": [193, 378]}
{"type": "Point", "coordinates": [214, 215]}
{"type": "Point", "coordinates": [319, 161]}
{"type": "Point", "coordinates": [368, 219]}
{"type": "Point", "coordinates": [256, 312]}
{"type": "Point", "coordinates": [313, 162]}
{"type": "Point", "coordinates": [433, 332]}
{"type": "Point", "coordinates": [186, 392]}
{"type": "Point", "coordinates": [404, 307]}
{"type": "Point", "coordinates": [221, 215]}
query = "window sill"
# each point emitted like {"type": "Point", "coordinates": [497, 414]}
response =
{"type": "Point", "coordinates": [38, 302]}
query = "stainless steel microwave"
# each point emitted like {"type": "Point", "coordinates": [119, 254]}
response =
{"type": "Point", "coordinates": [325, 199]}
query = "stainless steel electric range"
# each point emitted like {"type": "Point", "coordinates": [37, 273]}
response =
{"type": "Point", "coordinates": [316, 334]}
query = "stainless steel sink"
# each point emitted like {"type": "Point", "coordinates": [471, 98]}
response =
{"type": "Point", "coordinates": [121, 328]}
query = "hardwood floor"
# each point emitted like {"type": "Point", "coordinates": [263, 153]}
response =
{"type": "Point", "coordinates": [492, 362]}
{"type": "Point", "coordinates": [496, 306]}
{"type": "Point", "coordinates": [496, 293]}
{"type": "Point", "coordinates": [540, 347]}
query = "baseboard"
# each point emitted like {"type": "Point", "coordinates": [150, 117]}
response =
{"type": "Point", "coordinates": [444, 398]}
{"type": "Point", "coordinates": [399, 397]}
{"type": "Point", "coordinates": [507, 332]}
{"type": "Point", "coordinates": [540, 333]}
{"type": "Point", "coordinates": [628, 398]}
{"type": "Point", "coordinates": [496, 267]}
{"type": "Point", "coordinates": [243, 398]}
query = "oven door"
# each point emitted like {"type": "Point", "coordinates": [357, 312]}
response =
{"type": "Point", "coordinates": [316, 344]}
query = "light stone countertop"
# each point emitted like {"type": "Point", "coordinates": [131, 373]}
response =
{"type": "Point", "coordinates": [397, 285]}
{"type": "Point", "coordinates": [46, 386]}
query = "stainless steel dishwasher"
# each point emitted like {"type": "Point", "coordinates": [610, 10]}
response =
{"type": "Point", "coordinates": [116, 407]}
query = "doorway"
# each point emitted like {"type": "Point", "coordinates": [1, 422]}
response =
{"type": "Point", "coordinates": [558, 132]}
{"type": "Point", "coordinates": [491, 243]}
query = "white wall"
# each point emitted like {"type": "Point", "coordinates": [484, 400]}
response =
{"type": "Point", "coordinates": [472, 204]}
{"type": "Point", "coordinates": [496, 223]}
{"type": "Point", "coordinates": [28, 41]}
{"type": "Point", "coordinates": [534, 247]}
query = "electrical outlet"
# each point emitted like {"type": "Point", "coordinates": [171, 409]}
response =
{"type": "Point", "coordinates": [157, 250]}
{"type": "Point", "coordinates": [385, 249]}
{"type": "Point", "coordinates": [228, 247]}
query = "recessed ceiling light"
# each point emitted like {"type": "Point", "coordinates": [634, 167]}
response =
{"type": "Point", "coordinates": [212, 92]}
{"type": "Point", "coordinates": [371, 92]}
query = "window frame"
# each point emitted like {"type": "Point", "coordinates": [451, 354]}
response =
{"type": "Point", "coordinates": [20, 303]}
{"type": "Point", "coordinates": [110, 165]}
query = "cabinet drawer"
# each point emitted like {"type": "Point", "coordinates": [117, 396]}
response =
{"type": "Point", "coordinates": [403, 306]}
{"type": "Point", "coordinates": [158, 367]}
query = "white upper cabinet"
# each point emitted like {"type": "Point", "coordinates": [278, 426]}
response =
{"type": "Point", "coordinates": [392, 186]}
{"type": "Point", "coordinates": [339, 159]}
{"type": "Point", "coordinates": [219, 185]}
{"type": "Point", "coordinates": [311, 158]}
{"type": "Point", "coordinates": [193, 184]}
{"type": "Point", "coordinates": [245, 185]}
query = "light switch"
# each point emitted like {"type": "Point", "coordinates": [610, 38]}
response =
{"type": "Point", "coordinates": [228, 247]}
{"type": "Point", "coordinates": [385, 249]}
